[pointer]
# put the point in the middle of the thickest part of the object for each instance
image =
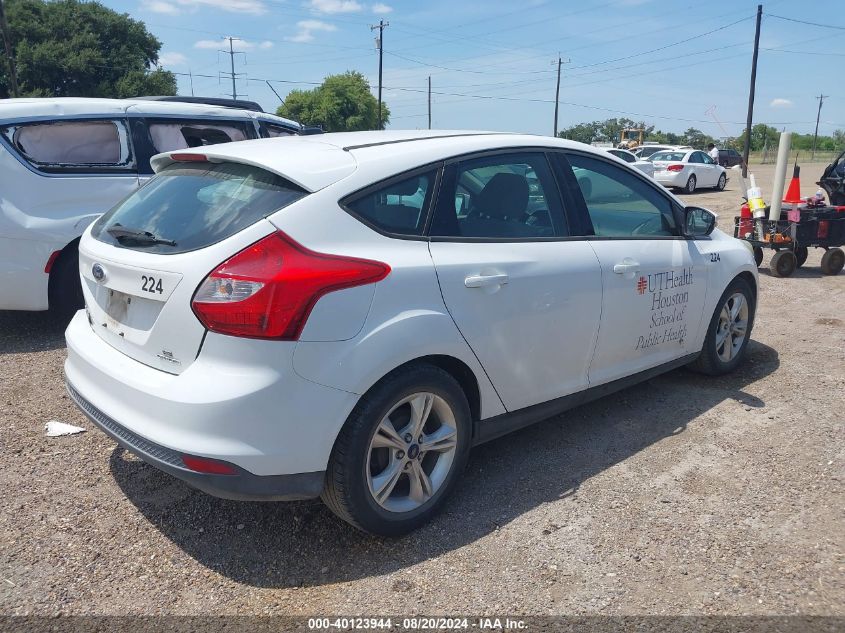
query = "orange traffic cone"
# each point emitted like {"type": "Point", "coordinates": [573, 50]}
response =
{"type": "Point", "coordinates": [793, 194]}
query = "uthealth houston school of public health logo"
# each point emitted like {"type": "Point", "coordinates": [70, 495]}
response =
{"type": "Point", "coordinates": [669, 280]}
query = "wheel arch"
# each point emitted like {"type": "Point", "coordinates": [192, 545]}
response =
{"type": "Point", "coordinates": [67, 251]}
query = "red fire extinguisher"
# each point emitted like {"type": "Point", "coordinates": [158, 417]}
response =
{"type": "Point", "coordinates": [745, 225]}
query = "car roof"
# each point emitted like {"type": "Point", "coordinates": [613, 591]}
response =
{"type": "Point", "coordinates": [315, 162]}
{"type": "Point", "coordinates": [37, 108]}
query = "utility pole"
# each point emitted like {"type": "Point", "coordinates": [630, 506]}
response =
{"type": "Point", "coordinates": [429, 102]}
{"type": "Point", "coordinates": [821, 99]}
{"type": "Point", "coordinates": [380, 45]}
{"type": "Point", "coordinates": [231, 53]}
{"type": "Point", "coordinates": [10, 58]}
{"type": "Point", "coordinates": [747, 150]}
{"type": "Point", "coordinates": [557, 89]}
{"type": "Point", "coordinates": [191, 76]}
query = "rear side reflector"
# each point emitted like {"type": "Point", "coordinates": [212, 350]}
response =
{"type": "Point", "coordinates": [675, 168]}
{"type": "Point", "coordinates": [269, 289]}
{"type": "Point", "coordinates": [208, 466]}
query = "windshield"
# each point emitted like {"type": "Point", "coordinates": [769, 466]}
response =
{"type": "Point", "coordinates": [193, 205]}
{"type": "Point", "coordinates": [668, 156]}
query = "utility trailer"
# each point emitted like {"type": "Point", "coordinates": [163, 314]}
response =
{"type": "Point", "coordinates": [818, 227]}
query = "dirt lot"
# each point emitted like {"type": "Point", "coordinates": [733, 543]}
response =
{"type": "Point", "coordinates": [685, 495]}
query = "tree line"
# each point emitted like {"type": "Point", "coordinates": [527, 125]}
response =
{"type": "Point", "coordinates": [762, 136]}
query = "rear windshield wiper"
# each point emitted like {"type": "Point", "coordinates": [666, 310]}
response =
{"type": "Point", "coordinates": [137, 236]}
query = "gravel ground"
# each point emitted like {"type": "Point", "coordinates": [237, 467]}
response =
{"type": "Point", "coordinates": [685, 495]}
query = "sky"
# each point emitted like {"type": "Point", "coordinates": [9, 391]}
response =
{"type": "Point", "coordinates": [493, 63]}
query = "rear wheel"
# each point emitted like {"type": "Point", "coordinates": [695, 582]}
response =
{"type": "Point", "coordinates": [783, 263]}
{"type": "Point", "coordinates": [400, 452]}
{"type": "Point", "coordinates": [691, 184]}
{"type": "Point", "coordinates": [758, 255]}
{"type": "Point", "coordinates": [65, 288]}
{"type": "Point", "coordinates": [723, 180]}
{"type": "Point", "coordinates": [729, 330]}
{"type": "Point", "coordinates": [833, 261]}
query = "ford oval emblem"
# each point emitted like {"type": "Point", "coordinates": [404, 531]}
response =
{"type": "Point", "coordinates": [98, 272]}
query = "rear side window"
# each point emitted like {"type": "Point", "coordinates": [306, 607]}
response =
{"type": "Point", "coordinates": [396, 207]}
{"type": "Point", "coordinates": [72, 145]}
{"type": "Point", "coordinates": [193, 205]}
{"type": "Point", "coordinates": [169, 135]}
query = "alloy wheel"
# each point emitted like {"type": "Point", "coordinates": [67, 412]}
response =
{"type": "Point", "coordinates": [732, 327]}
{"type": "Point", "coordinates": [411, 452]}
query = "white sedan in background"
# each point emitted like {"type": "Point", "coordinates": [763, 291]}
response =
{"type": "Point", "coordinates": [688, 170]}
{"type": "Point", "coordinates": [644, 166]}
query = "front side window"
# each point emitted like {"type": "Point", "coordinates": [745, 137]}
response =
{"type": "Point", "coordinates": [72, 145]}
{"type": "Point", "coordinates": [396, 207]}
{"type": "Point", "coordinates": [169, 135]}
{"type": "Point", "coordinates": [506, 196]}
{"type": "Point", "coordinates": [619, 203]}
{"type": "Point", "coordinates": [188, 206]}
{"type": "Point", "coordinates": [628, 158]}
{"type": "Point", "coordinates": [275, 131]}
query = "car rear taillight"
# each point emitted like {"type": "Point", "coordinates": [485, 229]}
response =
{"type": "Point", "coordinates": [269, 289]}
{"type": "Point", "coordinates": [675, 168]}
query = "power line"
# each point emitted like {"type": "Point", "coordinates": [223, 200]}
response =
{"type": "Point", "coordinates": [824, 26]}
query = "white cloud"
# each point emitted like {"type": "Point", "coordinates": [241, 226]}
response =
{"type": "Point", "coordinates": [172, 59]}
{"type": "Point", "coordinates": [176, 7]}
{"type": "Point", "coordinates": [242, 46]}
{"type": "Point", "coordinates": [160, 6]}
{"type": "Point", "coordinates": [780, 103]}
{"type": "Point", "coordinates": [307, 28]}
{"type": "Point", "coordinates": [334, 6]}
{"type": "Point", "coordinates": [380, 7]}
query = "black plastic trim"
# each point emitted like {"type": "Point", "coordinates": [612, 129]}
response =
{"type": "Point", "coordinates": [495, 427]}
{"type": "Point", "coordinates": [243, 486]}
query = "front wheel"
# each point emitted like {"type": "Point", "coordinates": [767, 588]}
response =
{"type": "Point", "coordinates": [723, 180]}
{"type": "Point", "coordinates": [783, 264]}
{"type": "Point", "coordinates": [729, 330]}
{"type": "Point", "coordinates": [400, 452]}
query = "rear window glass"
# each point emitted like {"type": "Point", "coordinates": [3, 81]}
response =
{"type": "Point", "coordinates": [192, 205]}
{"type": "Point", "coordinates": [661, 156]}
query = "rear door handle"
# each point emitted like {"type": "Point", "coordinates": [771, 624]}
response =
{"type": "Point", "coordinates": [628, 266]}
{"type": "Point", "coordinates": [483, 281]}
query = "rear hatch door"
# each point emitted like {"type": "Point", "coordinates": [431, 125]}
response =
{"type": "Point", "coordinates": [142, 262]}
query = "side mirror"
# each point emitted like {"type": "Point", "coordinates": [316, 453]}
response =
{"type": "Point", "coordinates": [698, 222]}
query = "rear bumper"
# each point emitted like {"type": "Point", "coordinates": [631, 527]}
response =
{"type": "Point", "coordinates": [239, 402]}
{"type": "Point", "coordinates": [242, 486]}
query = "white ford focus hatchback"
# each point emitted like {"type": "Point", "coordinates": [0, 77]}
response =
{"type": "Point", "coordinates": [345, 316]}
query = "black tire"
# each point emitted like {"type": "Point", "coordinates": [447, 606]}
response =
{"type": "Point", "coordinates": [65, 287]}
{"type": "Point", "coordinates": [723, 181]}
{"type": "Point", "coordinates": [758, 255]}
{"type": "Point", "coordinates": [347, 491]}
{"type": "Point", "coordinates": [709, 361]}
{"type": "Point", "coordinates": [801, 253]}
{"type": "Point", "coordinates": [783, 264]}
{"type": "Point", "coordinates": [832, 261]}
{"type": "Point", "coordinates": [691, 184]}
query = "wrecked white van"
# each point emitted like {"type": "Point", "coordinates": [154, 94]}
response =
{"type": "Point", "coordinates": [66, 161]}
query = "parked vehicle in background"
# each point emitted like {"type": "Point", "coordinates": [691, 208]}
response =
{"type": "Point", "coordinates": [647, 151]}
{"type": "Point", "coordinates": [345, 316]}
{"type": "Point", "coordinates": [643, 165]}
{"type": "Point", "coordinates": [688, 170]}
{"type": "Point", "coordinates": [729, 157]}
{"type": "Point", "coordinates": [833, 181]}
{"type": "Point", "coordinates": [64, 162]}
